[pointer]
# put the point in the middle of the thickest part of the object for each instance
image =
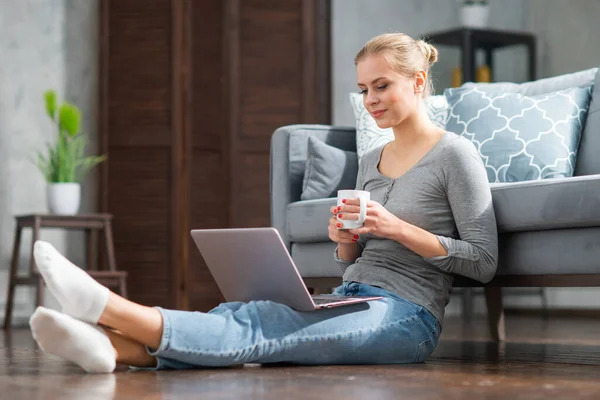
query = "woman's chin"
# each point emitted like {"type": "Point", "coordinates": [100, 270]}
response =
{"type": "Point", "coordinates": [383, 124]}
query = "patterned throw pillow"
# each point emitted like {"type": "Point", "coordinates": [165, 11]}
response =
{"type": "Point", "coordinates": [521, 138]}
{"type": "Point", "coordinates": [369, 136]}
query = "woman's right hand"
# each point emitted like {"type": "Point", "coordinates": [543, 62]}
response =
{"type": "Point", "coordinates": [335, 233]}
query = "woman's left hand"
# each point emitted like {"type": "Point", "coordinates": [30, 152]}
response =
{"type": "Point", "coordinates": [378, 221]}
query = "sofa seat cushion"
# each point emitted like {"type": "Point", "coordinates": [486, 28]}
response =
{"type": "Point", "coordinates": [315, 260]}
{"type": "Point", "coordinates": [307, 220]}
{"type": "Point", "coordinates": [551, 252]}
{"type": "Point", "coordinates": [546, 252]}
{"type": "Point", "coordinates": [547, 204]}
{"type": "Point", "coordinates": [521, 206]}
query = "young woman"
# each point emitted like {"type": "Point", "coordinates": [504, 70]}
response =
{"type": "Point", "coordinates": [430, 217]}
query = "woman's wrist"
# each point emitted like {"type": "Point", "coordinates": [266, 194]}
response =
{"type": "Point", "coordinates": [399, 231]}
{"type": "Point", "coordinates": [347, 251]}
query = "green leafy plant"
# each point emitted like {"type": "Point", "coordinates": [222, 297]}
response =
{"type": "Point", "coordinates": [65, 161]}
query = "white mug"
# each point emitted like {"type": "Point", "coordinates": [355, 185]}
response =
{"type": "Point", "coordinates": [364, 197]}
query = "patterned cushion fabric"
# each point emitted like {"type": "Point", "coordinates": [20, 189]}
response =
{"type": "Point", "coordinates": [521, 138]}
{"type": "Point", "coordinates": [369, 136]}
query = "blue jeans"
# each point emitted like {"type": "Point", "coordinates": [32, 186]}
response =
{"type": "Point", "coordinates": [387, 331]}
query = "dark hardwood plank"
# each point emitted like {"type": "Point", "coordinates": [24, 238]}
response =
{"type": "Point", "coordinates": [232, 83]}
{"type": "Point", "coordinates": [181, 149]}
{"type": "Point", "coordinates": [140, 204]}
{"type": "Point", "coordinates": [190, 93]}
{"type": "Point", "coordinates": [271, 67]}
{"type": "Point", "coordinates": [139, 71]}
{"type": "Point", "coordinates": [208, 210]}
{"type": "Point", "coordinates": [556, 358]}
{"type": "Point", "coordinates": [208, 73]}
{"type": "Point", "coordinates": [254, 187]}
{"type": "Point", "coordinates": [140, 92]}
{"type": "Point", "coordinates": [209, 172]}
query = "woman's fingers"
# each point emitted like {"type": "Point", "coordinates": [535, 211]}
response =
{"type": "Point", "coordinates": [349, 216]}
{"type": "Point", "coordinates": [350, 209]}
{"type": "Point", "coordinates": [340, 235]}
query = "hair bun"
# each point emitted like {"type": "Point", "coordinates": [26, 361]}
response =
{"type": "Point", "coordinates": [430, 52]}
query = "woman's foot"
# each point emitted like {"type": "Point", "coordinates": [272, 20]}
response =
{"type": "Point", "coordinates": [78, 293]}
{"type": "Point", "coordinates": [73, 340]}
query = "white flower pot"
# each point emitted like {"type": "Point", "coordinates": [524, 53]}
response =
{"type": "Point", "coordinates": [63, 198]}
{"type": "Point", "coordinates": [475, 16]}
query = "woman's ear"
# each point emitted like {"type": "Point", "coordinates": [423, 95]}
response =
{"type": "Point", "coordinates": [420, 81]}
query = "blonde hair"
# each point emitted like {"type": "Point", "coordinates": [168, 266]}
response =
{"type": "Point", "coordinates": [404, 54]}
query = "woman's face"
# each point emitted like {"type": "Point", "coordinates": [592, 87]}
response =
{"type": "Point", "coordinates": [389, 97]}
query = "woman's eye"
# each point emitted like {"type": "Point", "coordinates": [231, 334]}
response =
{"type": "Point", "coordinates": [362, 91]}
{"type": "Point", "coordinates": [382, 87]}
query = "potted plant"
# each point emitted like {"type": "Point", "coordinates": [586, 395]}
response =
{"type": "Point", "coordinates": [64, 164]}
{"type": "Point", "coordinates": [474, 13]}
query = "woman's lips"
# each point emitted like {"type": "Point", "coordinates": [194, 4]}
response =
{"type": "Point", "coordinates": [377, 114]}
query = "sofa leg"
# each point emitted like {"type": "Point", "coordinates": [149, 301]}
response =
{"type": "Point", "coordinates": [493, 296]}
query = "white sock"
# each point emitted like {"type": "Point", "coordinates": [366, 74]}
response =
{"type": "Point", "coordinates": [78, 293]}
{"type": "Point", "coordinates": [73, 340]}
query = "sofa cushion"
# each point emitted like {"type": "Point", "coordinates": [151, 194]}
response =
{"type": "Point", "coordinates": [584, 78]}
{"type": "Point", "coordinates": [315, 260]}
{"type": "Point", "coordinates": [524, 206]}
{"type": "Point", "coordinates": [328, 169]}
{"type": "Point", "coordinates": [369, 136]}
{"type": "Point", "coordinates": [307, 221]}
{"type": "Point", "coordinates": [521, 253]}
{"type": "Point", "coordinates": [548, 204]}
{"type": "Point", "coordinates": [556, 251]}
{"type": "Point", "coordinates": [521, 138]}
{"type": "Point", "coordinates": [289, 152]}
{"type": "Point", "coordinates": [588, 162]}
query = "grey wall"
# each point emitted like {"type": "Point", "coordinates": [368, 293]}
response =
{"type": "Point", "coordinates": [44, 44]}
{"type": "Point", "coordinates": [568, 33]}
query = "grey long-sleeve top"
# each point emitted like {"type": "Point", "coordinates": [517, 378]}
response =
{"type": "Point", "coordinates": [446, 193]}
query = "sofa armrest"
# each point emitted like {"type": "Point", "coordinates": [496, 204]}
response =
{"type": "Point", "coordinates": [289, 146]}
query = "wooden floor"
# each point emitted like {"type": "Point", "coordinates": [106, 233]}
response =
{"type": "Point", "coordinates": [557, 358]}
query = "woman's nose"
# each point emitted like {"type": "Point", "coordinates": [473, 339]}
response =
{"type": "Point", "coordinates": [371, 99]}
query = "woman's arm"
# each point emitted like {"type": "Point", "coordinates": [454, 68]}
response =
{"type": "Point", "coordinates": [475, 253]}
{"type": "Point", "coordinates": [382, 223]}
{"type": "Point", "coordinates": [348, 252]}
{"type": "Point", "coordinates": [422, 242]}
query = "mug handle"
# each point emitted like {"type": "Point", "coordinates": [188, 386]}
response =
{"type": "Point", "coordinates": [363, 210]}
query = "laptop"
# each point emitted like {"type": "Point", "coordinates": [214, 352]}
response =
{"type": "Point", "coordinates": [254, 264]}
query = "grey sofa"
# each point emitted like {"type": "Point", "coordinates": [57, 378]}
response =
{"type": "Point", "coordinates": [549, 230]}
